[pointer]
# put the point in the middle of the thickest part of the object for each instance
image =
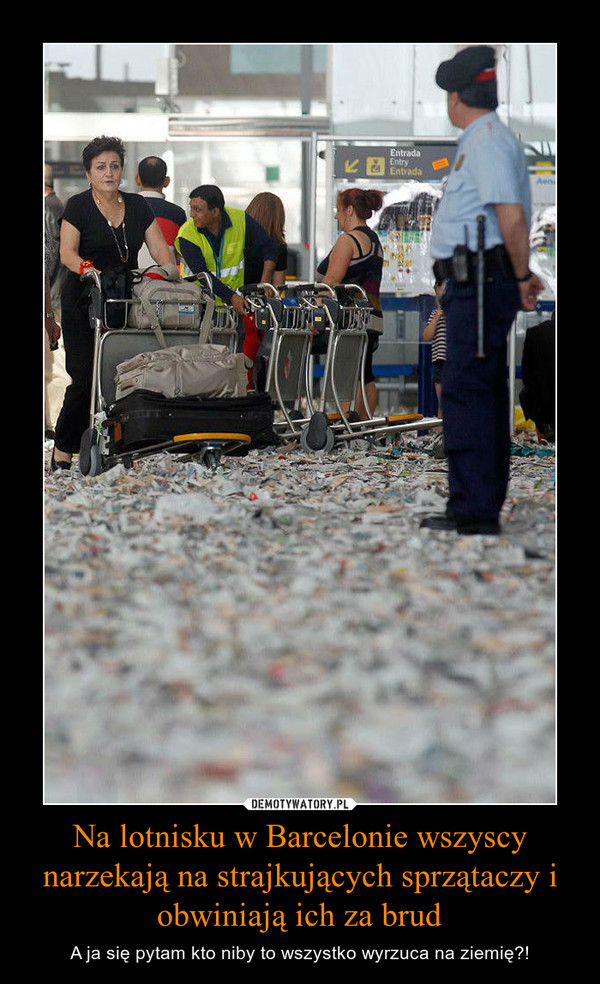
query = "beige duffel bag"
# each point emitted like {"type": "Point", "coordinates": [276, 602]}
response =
{"type": "Point", "coordinates": [163, 300]}
{"type": "Point", "coordinates": [204, 370]}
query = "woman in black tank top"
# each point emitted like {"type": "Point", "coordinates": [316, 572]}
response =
{"type": "Point", "coordinates": [357, 258]}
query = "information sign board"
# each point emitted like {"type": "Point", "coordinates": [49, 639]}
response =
{"type": "Point", "coordinates": [402, 162]}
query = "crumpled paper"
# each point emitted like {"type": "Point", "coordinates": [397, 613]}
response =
{"type": "Point", "coordinates": [283, 626]}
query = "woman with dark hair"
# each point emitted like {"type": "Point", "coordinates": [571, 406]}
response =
{"type": "Point", "coordinates": [357, 258]}
{"type": "Point", "coordinates": [101, 229]}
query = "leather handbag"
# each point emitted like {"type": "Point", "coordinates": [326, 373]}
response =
{"type": "Point", "coordinates": [115, 286]}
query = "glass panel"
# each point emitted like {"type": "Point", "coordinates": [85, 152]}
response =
{"type": "Point", "coordinates": [285, 59]}
{"type": "Point", "coordinates": [69, 176]}
{"type": "Point", "coordinates": [242, 168]}
{"type": "Point", "coordinates": [102, 78]}
{"type": "Point", "coordinates": [134, 62]}
{"type": "Point", "coordinates": [253, 72]}
{"type": "Point", "coordinates": [192, 78]}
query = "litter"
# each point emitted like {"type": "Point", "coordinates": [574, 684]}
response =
{"type": "Point", "coordinates": [284, 627]}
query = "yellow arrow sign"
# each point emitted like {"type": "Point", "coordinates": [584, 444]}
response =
{"type": "Point", "coordinates": [351, 167]}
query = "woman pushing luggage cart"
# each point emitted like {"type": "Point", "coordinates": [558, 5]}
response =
{"type": "Point", "coordinates": [102, 229]}
{"type": "Point", "coordinates": [150, 418]}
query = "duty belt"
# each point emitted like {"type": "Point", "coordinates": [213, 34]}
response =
{"type": "Point", "coordinates": [497, 264]}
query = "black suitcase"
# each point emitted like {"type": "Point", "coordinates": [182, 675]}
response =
{"type": "Point", "coordinates": [145, 418]}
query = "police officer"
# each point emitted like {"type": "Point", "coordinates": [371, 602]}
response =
{"type": "Point", "coordinates": [489, 178]}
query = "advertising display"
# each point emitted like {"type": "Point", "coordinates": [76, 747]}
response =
{"type": "Point", "coordinates": [542, 239]}
{"type": "Point", "coordinates": [411, 174]}
{"type": "Point", "coordinates": [404, 228]}
{"type": "Point", "coordinates": [542, 236]}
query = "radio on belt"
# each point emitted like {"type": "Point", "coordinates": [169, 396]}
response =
{"type": "Point", "coordinates": [460, 262]}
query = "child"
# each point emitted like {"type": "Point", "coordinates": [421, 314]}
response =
{"type": "Point", "coordinates": [435, 332]}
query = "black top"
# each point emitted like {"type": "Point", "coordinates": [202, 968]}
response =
{"type": "Point", "coordinates": [366, 269]}
{"type": "Point", "coordinates": [97, 242]}
{"type": "Point", "coordinates": [538, 373]}
{"type": "Point", "coordinates": [254, 262]}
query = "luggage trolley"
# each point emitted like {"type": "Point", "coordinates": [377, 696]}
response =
{"type": "Point", "coordinates": [99, 448]}
{"type": "Point", "coordinates": [340, 333]}
{"type": "Point", "coordinates": [345, 318]}
{"type": "Point", "coordinates": [315, 318]}
{"type": "Point", "coordinates": [280, 367]}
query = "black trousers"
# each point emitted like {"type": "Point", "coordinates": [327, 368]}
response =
{"type": "Point", "coordinates": [78, 337]}
{"type": "Point", "coordinates": [476, 398]}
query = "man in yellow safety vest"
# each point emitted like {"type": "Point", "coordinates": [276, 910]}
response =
{"type": "Point", "coordinates": [214, 239]}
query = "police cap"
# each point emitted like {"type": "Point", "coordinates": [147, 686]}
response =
{"type": "Point", "coordinates": [471, 66]}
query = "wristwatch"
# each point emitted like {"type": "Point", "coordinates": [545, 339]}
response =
{"type": "Point", "coordinates": [51, 315]}
{"type": "Point", "coordinates": [527, 276]}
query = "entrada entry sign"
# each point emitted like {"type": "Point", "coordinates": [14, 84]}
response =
{"type": "Point", "coordinates": [405, 162]}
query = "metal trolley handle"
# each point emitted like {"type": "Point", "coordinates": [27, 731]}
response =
{"type": "Point", "coordinates": [353, 287]}
{"type": "Point", "coordinates": [256, 303]}
{"type": "Point", "coordinates": [203, 275]}
{"type": "Point", "coordinates": [91, 275]}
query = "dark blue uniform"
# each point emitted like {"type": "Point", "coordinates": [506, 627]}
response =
{"type": "Point", "coordinates": [489, 169]}
{"type": "Point", "coordinates": [476, 398]}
